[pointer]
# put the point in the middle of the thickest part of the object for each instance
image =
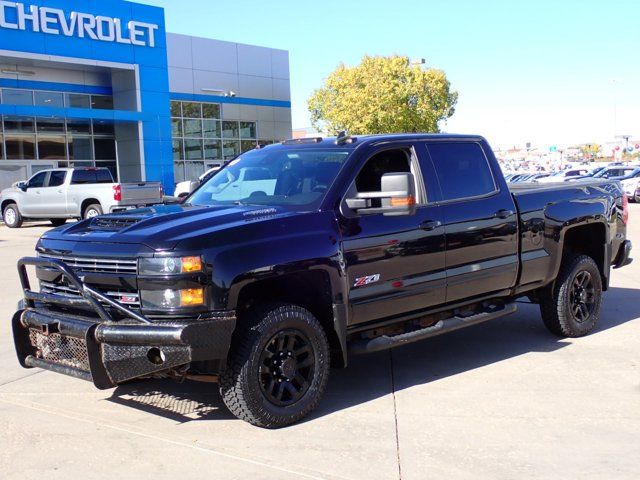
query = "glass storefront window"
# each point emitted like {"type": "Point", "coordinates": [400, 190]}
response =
{"type": "Point", "coordinates": [248, 130]}
{"type": "Point", "coordinates": [79, 126]}
{"type": "Point", "coordinates": [246, 145]}
{"type": "Point", "coordinates": [103, 127]}
{"type": "Point", "coordinates": [176, 127]}
{"type": "Point", "coordinates": [176, 109]}
{"type": "Point", "coordinates": [21, 147]}
{"type": "Point", "coordinates": [193, 150]}
{"type": "Point", "coordinates": [50, 125]}
{"type": "Point", "coordinates": [193, 170]}
{"type": "Point", "coordinates": [230, 130]}
{"type": "Point", "coordinates": [102, 102]}
{"type": "Point", "coordinates": [177, 150]}
{"type": "Point", "coordinates": [178, 172]}
{"type": "Point", "coordinates": [77, 100]}
{"type": "Point", "coordinates": [104, 148]}
{"type": "Point", "coordinates": [80, 148]}
{"type": "Point", "coordinates": [210, 110]}
{"type": "Point", "coordinates": [49, 99]}
{"type": "Point", "coordinates": [19, 124]}
{"type": "Point", "coordinates": [192, 128]}
{"type": "Point", "coordinates": [230, 149]}
{"type": "Point", "coordinates": [17, 97]}
{"type": "Point", "coordinates": [192, 110]}
{"type": "Point", "coordinates": [52, 148]}
{"type": "Point", "coordinates": [211, 128]}
{"type": "Point", "coordinates": [212, 150]}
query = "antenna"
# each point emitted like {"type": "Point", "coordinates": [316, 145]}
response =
{"type": "Point", "coordinates": [343, 137]}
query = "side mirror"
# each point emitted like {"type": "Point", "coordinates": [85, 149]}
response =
{"type": "Point", "coordinates": [22, 186]}
{"type": "Point", "coordinates": [397, 197]}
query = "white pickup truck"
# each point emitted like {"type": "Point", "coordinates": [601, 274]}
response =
{"type": "Point", "coordinates": [66, 193]}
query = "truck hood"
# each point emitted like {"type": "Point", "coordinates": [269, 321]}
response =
{"type": "Point", "coordinates": [162, 227]}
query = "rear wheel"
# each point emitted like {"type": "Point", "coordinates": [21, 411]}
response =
{"type": "Point", "coordinates": [58, 222]}
{"type": "Point", "coordinates": [571, 307]}
{"type": "Point", "coordinates": [278, 366]}
{"type": "Point", "coordinates": [92, 211]}
{"type": "Point", "coordinates": [11, 216]}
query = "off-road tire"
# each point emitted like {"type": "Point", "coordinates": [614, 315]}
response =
{"type": "Point", "coordinates": [241, 384]}
{"type": "Point", "coordinates": [556, 300]}
{"type": "Point", "coordinates": [91, 211]}
{"type": "Point", "coordinates": [11, 216]}
{"type": "Point", "coordinates": [58, 222]}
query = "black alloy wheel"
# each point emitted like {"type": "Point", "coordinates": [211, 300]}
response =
{"type": "Point", "coordinates": [582, 296]}
{"type": "Point", "coordinates": [287, 366]}
{"type": "Point", "coordinates": [570, 306]}
{"type": "Point", "coordinates": [278, 365]}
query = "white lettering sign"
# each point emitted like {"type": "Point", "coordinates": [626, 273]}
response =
{"type": "Point", "coordinates": [53, 21]}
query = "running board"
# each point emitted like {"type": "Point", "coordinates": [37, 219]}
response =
{"type": "Point", "coordinates": [443, 326]}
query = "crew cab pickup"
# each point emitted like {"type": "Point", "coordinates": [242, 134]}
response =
{"type": "Point", "coordinates": [329, 248]}
{"type": "Point", "coordinates": [64, 193]}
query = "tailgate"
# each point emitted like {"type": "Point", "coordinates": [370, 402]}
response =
{"type": "Point", "coordinates": [146, 192]}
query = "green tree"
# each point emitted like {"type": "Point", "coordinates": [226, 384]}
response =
{"type": "Point", "coordinates": [383, 95]}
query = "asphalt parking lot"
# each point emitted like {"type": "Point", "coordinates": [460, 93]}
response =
{"type": "Point", "coordinates": [501, 400]}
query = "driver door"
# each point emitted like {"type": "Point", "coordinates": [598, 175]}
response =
{"type": "Point", "coordinates": [32, 203]}
{"type": "Point", "coordinates": [394, 264]}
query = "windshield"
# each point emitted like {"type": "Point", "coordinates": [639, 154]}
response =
{"type": "Point", "coordinates": [273, 176]}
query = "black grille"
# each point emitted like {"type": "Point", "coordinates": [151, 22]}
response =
{"type": "Point", "coordinates": [93, 264]}
{"type": "Point", "coordinates": [112, 223]}
{"type": "Point", "coordinates": [67, 351]}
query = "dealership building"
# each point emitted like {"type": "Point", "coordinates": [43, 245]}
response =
{"type": "Point", "coordinates": [101, 83]}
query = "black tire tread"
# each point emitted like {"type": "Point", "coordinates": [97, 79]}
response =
{"type": "Point", "coordinates": [233, 380]}
{"type": "Point", "coordinates": [552, 305]}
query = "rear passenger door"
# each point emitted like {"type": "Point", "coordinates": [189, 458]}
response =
{"type": "Point", "coordinates": [480, 218]}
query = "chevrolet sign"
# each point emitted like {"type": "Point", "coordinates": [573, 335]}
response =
{"type": "Point", "coordinates": [53, 21]}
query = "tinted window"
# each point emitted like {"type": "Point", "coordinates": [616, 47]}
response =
{"type": "Point", "coordinates": [38, 180]}
{"type": "Point", "coordinates": [91, 176]}
{"type": "Point", "coordinates": [57, 178]}
{"type": "Point", "coordinates": [462, 169]}
{"type": "Point", "coordinates": [103, 176]}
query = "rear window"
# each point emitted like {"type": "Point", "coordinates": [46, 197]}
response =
{"type": "Point", "coordinates": [81, 177]}
{"type": "Point", "coordinates": [57, 178]}
{"type": "Point", "coordinates": [462, 169]}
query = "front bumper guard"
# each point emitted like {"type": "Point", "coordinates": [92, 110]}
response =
{"type": "Point", "coordinates": [100, 349]}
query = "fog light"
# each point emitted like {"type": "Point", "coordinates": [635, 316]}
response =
{"type": "Point", "coordinates": [170, 299]}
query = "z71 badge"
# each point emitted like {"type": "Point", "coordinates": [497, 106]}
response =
{"type": "Point", "coordinates": [362, 281]}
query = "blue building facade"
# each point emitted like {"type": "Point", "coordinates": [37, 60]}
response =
{"type": "Point", "coordinates": [100, 82]}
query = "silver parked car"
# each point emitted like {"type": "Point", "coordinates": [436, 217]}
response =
{"type": "Point", "coordinates": [66, 193]}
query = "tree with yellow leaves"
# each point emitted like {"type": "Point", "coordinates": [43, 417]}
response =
{"type": "Point", "coordinates": [383, 95]}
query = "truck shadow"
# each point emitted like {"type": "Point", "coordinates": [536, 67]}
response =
{"type": "Point", "coordinates": [370, 376]}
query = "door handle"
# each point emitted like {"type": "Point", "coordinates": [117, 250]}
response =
{"type": "Point", "coordinates": [430, 225]}
{"type": "Point", "coordinates": [504, 214]}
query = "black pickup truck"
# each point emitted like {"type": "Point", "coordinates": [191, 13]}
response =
{"type": "Point", "coordinates": [296, 255]}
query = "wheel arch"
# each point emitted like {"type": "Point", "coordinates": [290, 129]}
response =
{"type": "Point", "coordinates": [85, 204]}
{"type": "Point", "coordinates": [589, 239]}
{"type": "Point", "coordinates": [309, 289]}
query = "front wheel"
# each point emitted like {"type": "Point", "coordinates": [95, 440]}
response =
{"type": "Point", "coordinates": [571, 307]}
{"type": "Point", "coordinates": [278, 366]}
{"type": "Point", "coordinates": [92, 211]}
{"type": "Point", "coordinates": [11, 216]}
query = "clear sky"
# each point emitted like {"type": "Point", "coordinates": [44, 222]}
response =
{"type": "Point", "coordinates": [546, 72]}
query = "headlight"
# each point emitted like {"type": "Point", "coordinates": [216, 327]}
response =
{"type": "Point", "coordinates": [169, 265]}
{"type": "Point", "coordinates": [170, 299]}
